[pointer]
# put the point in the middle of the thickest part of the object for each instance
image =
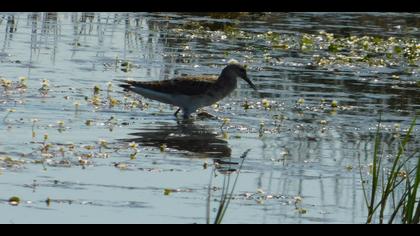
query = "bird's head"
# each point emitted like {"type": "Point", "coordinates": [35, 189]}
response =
{"type": "Point", "coordinates": [235, 69]}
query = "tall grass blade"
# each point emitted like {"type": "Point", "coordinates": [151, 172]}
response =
{"type": "Point", "coordinates": [387, 183]}
{"type": "Point", "coordinates": [411, 198]}
{"type": "Point", "coordinates": [227, 197]}
{"type": "Point", "coordinates": [375, 172]}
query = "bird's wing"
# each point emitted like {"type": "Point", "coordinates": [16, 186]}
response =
{"type": "Point", "coordinates": [187, 85]}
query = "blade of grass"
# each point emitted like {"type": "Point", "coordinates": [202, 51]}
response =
{"type": "Point", "coordinates": [400, 202]}
{"type": "Point", "coordinates": [412, 195]}
{"type": "Point", "coordinates": [363, 182]}
{"type": "Point", "coordinates": [209, 197]}
{"type": "Point", "coordinates": [227, 199]}
{"type": "Point", "coordinates": [236, 180]}
{"type": "Point", "coordinates": [394, 170]}
{"type": "Point", "coordinates": [222, 200]}
{"type": "Point", "coordinates": [397, 209]}
{"type": "Point", "coordinates": [389, 183]}
{"type": "Point", "coordinates": [375, 173]}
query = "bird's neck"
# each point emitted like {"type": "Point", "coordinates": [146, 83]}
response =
{"type": "Point", "coordinates": [224, 86]}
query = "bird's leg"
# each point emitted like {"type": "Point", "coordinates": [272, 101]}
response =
{"type": "Point", "coordinates": [186, 114]}
{"type": "Point", "coordinates": [177, 111]}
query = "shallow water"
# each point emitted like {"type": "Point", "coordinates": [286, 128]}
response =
{"type": "Point", "coordinates": [76, 166]}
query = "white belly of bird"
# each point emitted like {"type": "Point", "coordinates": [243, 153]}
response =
{"type": "Point", "coordinates": [192, 103]}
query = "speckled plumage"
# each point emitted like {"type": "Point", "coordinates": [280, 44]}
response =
{"type": "Point", "coordinates": [191, 92]}
{"type": "Point", "coordinates": [188, 85]}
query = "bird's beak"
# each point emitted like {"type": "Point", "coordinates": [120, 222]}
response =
{"type": "Point", "coordinates": [250, 83]}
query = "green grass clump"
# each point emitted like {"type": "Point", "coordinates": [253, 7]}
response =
{"type": "Point", "coordinates": [398, 176]}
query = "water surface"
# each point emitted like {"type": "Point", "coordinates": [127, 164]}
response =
{"type": "Point", "coordinates": [76, 166]}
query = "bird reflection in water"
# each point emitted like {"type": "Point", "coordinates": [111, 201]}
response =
{"type": "Point", "coordinates": [193, 140]}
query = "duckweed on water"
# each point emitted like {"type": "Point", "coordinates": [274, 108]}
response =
{"type": "Point", "coordinates": [334, 104]}
{"type": "Point", "coordinates": [162, 147]}
{"type": "Point", "coordinates": [77, 106]}
{"type": "Point", "coordinates": [247, 105]}
{"type": "Point", "coordinates": [226, 121]}
{"type": "Point", "coordinates": [23, 80]}
{"type": "Point", "coordinates": [134, 150]}
{"type": "Point", "coordinates": [262, 129]}
{"type": "Point", "coordinates": [113, 102]}
{"type": "Point", "coordinates": [60, 126]}
{"type": "Point", "coordinates": [96, 101]}
{"type": "Point", "coordinates": [123, 65]}
{"type": "Point", "coordinates": [167, 192]}
{"type": "Point", "coordinates": [330, 49]}
{"type": "Point", "coordinates": [266, 104]}
{"type": "Point", "coordinates": [14, 201]}
{"type": "Point", "coordinates": [102, 144]}
{"type": "Point", "coordinates": [45, 87]}
{"type": "Point", "coordinates": [109, 87]}
{"type": "Point", "coordinates": [6, 84]}
{"type": "Point", "coordinates": [323, 122]}
{"type": "Point", "coordinates": [300, 101]}
{"type": "Point", "coordinates": [96, 90]}
{"type": "Point", "coordinates": [8, 162]}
